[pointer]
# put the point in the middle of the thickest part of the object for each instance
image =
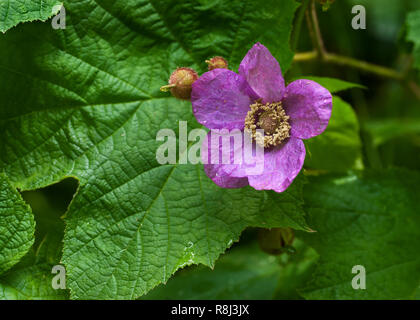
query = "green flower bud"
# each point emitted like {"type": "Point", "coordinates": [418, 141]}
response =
{"type": "Point", "coordinates": [275, 241]}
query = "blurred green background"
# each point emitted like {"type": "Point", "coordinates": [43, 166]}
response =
{"type": "Point", "coordinates": [388, 112]}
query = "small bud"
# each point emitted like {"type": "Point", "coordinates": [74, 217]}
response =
{"type": "Point", "coordinates": [326, 4]}
{"type": "Point", "coordinates": [276, 241]}
{"type": "Point", "coordinates": [217, 63]}
{"type": "Point", "coordinates": [180, 83]}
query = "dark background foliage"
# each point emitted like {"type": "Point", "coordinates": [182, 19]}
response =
{"type": "Point", "coordinates": [387, 105]}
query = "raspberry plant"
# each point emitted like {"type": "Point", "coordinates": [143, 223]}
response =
{"type": "Point", "coordinates": [83, 104]}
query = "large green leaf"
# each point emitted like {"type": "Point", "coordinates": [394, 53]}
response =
{"type": "Point", "coordinates": [339, 147]}
{"type": "Point", "coordinates": [13, 12]}
{"type": "Point", "coordinates": [387, 129]}
{"type": "Point", "coordinates": [17, 225]}
{"type": "Point", "coordinates": [31, 278]}
{"type": "Point", "coordinates": [91, 109]}
{"type": "Point", "coordinates": [130, 248]}
{"type": "Point", "coordinates": [243, 273]}
{"type": "Point", "coordinates": [371, 220]}
{"type": "Point", "coordinates": [280, 211]}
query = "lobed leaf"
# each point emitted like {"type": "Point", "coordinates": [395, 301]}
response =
{"type": "Point", "coordinates": [372, 220]}
{"type": "Point", "coordinates": [17, 225]}
{"type": "Point", "coordinates": [91, 109]}
{"type": "Point", "coordinates": [243, 273]}
{"type": "Point", "coordinates": [13, 12]}
{"type": "Point", "coordinates": [31, 278]}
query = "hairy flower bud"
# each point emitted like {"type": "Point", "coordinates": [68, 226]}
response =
{"type": "Point", "coordinates": [217, 63]}
{"type": "Point", "coordinates": [276, 240]}
{"type": "Point", "coordinates": [180, 83]}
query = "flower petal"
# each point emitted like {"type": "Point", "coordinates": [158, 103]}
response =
{"type": "Point", "coordinates": [223, 179]}
{"type": "Point", "coordinates": [219, 162]}
{"type": "Point", "coordinates": [281, 166]}
{"type": "Point", "coordinates": [309, 106]}
{"type": "Point", "coordinates": [263, 73]}
{"type": "Point", "coordinates": [221, 99]}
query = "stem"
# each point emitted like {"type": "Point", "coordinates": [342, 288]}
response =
{"type": "Point", "coordinates": [313, 24]}
{"type": "Point", "coordinates": [415, 88]}
{"type": "Point", "coordinates": [310, 28]}
{"type": "Point", "coordinates": [298, 24]}
{"type": "Point", "coordinates": [322, 54]}
{"type": "Point", "coordinates": [363, 66]}
{"type": "Point", "coordinates": [305, 56]}
{"type": "Point", "coordinates": [350, 62]}
{"type": "Point", "coordinates": [167, 87]}
{"type": "Point", "coordinates": [319, 43]}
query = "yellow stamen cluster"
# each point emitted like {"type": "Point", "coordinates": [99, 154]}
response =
{"type": "Point", "coordinates": [271, 118]}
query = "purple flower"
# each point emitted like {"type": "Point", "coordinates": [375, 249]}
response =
{"type": "Point", "coordinates": [257, 98]}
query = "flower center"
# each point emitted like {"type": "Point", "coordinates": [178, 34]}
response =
{"type": "Point", "coordinates": [271, 118]}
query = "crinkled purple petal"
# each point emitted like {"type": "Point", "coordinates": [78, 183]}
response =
{"type": "Point", "coordinates": [263, 73]}
{"type": "Point", "coordinates": [309, 106]}
{"type": "Point", "coordinates": [221, 98]}
{"type": "Point", "coordinates": [223, 179]}
{"type": "Point", "coordinates": [219, 162]}
{"type": "Point", "coordinates": [281, 166]}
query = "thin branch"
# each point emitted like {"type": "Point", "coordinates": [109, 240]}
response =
{"type": "Point", "coordinates": [305, 56]}
{"type": "Point", "coordinates": [350, 62]}
{"type": "Point", "coordinates": [319, 42]}
{"type": "Point", "coordinates": [298, 24]}
{"type": "Point", "coordinates": [310, 28]}
{"type": "Point", "coordinates": [322, 54]}
{"type": "Point", "coordinates": [415, 88]}
{"type": "Point", "coordinates": [363, 66]}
